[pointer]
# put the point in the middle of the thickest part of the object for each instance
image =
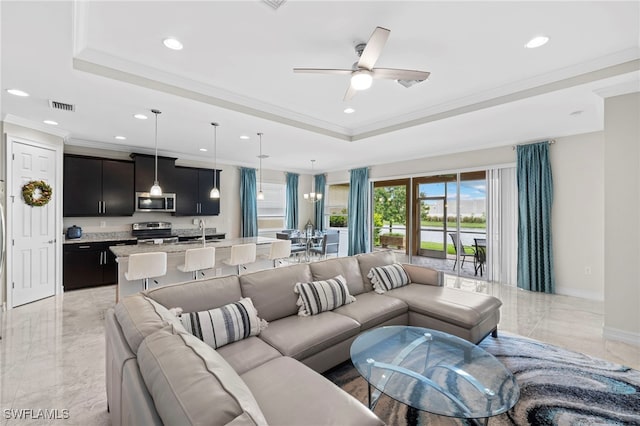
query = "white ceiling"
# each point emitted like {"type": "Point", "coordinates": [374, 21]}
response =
{"type": "Point", "coordinates": [485, 89]}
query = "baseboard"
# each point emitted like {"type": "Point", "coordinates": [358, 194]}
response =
{"type": "Point", "coordinates": [582, 294]}
{"type": "Point", "coordinates": [621, 335]}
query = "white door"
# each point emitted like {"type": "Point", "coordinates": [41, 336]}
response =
{"type": "Point", "coordinates": [33, 228]}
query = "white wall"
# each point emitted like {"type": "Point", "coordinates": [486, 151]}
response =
{"type": "Point", "coordinates": [621, 213]}
{"type": "Point", "coordinates": [578, 215]}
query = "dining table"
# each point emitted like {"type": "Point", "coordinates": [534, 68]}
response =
{"type": "Point", "coordinates": [307, 240]}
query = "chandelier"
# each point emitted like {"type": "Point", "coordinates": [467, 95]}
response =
{"type": "Point", "coordinates": [313, 197]}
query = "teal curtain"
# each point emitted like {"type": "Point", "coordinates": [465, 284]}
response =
{"type": "Point", "coordinates": [358, 213]}
{"type": "Point", "coordinates": [535, 197]}
{"type": "Point", "coordinates": [320, 183]}
{"type": "Point", "coordinates": [291, 201]}
{"type": "Point", "coordinates": [248, 203]}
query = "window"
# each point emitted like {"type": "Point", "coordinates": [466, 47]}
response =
{"type": "Point", "coordinates": [337, 202]}
{"type": "Point", "coordinates": [271, 209]}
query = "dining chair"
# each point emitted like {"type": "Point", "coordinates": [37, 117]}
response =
{"type": "Point", "coordinates": [330, 245]}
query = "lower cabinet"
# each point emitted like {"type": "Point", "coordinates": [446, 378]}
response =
{"type": "Point", "coordinates": [90, 264]}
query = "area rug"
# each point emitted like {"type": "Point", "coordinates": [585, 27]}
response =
{"type": "Point", "coordinates": [557, 387]}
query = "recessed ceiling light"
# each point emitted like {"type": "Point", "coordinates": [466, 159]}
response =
{"type": "Point", "coordinates": [50, 122]}
{"type": "Point", "coordinates": [121, 138]}
{"type": "Point", "coordinates": [172, 43]}
{"type": "Point", "coordinates": [140, 116]}
{"type": "Point", "coordinates": [349, 110]}
{"type": "Point", "coordinates": [17, 92]}
{"type": "Point", "coordinates": [203, 149]}
{"type": "Point", "coordinates": [537, 42]}
{"type": "Point", "coordinates": [244, 137]}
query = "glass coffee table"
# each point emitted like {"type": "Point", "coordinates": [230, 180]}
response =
{"type": "Point", "coordinates": [433, 371]}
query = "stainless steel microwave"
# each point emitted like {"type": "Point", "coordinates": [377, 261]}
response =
{"type": "Point", "coordinates": [161, 203]}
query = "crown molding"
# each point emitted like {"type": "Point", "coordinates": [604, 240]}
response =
{"type": "Point", "coordinates": [35, 125]}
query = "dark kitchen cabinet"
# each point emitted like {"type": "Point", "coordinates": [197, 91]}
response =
{"type": "Point", "coordinates": [145, 173]}
{"type": "Point", "coordinates": [97, 187]}
{"type": "Point", "coordinates": [192, 193]}
{"type": "Point", "coordinates": [90, 264]}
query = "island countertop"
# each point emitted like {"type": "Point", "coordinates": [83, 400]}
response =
{"type": "Point", "coordinates": [125, 251]}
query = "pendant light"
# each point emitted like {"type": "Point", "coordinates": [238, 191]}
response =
{"type": "Point", "coordinates": [215, 192]}
{"type": "Point", "coordinates": [155, 190]}
{"type": "Point", "coordinates": [260, 193]}
{"type": "Point", "coordinates": [313, 197]}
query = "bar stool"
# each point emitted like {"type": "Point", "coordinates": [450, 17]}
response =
{"type": "Point", "coordinates": [143, 266]}
{"type": "Point", "coordinates": [279, 250]}
{"type": "Point", "coordinates": [198, 259]}
{"type": "Point", "coordinates": [241, 254]}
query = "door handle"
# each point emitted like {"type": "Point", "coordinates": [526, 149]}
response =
{"type": "Point", "coordinates": [104, 208]}
{"type": "Point", "coordinates": [51, 241]}
{"type": "Point", "coordinates": [99, 207]}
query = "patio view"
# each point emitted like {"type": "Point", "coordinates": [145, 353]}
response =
{"type": "Point", "coordinates": [445, 209]}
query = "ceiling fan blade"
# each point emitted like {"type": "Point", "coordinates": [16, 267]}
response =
{"type": "Point", "coordinates": [374, 47]}
{"type": "Point", "coordinates": [351, 92]}
{"type": "Point", "coordinates": [397, 74]}
{"type": "Point", "coordinates": [322, 71]}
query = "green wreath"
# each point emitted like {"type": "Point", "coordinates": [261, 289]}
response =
{"type": "Point", "coordinates": [37, 193]}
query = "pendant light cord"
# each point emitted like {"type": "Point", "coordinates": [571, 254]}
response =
{"type": "Point", "coordinates": [215, 153]}
{"type": "Point", "coordinates": [156, 112]}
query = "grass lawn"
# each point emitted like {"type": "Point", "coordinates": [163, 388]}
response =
{"type": "Point", "coordinates": [438, 246]}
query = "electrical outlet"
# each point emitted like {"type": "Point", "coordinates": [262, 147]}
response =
{"type": "Point", "coordinates": [195, 221]}
{"type": "Point", "coordinates": [587, 270]}
{"type": "Point", "coordinates": [103, 224]}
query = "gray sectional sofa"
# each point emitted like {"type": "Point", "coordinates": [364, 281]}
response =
{"type": "Point", "coordinates": [157, 373]}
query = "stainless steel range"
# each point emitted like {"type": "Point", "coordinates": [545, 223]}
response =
{"type": "Point", "coordinates": [153, 233]}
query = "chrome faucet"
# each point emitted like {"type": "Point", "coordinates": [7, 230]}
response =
{"type": "Point", "coordinates": [201, 226]}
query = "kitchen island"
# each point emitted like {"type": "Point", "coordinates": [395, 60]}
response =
{"type": "Point", "coordinates": [175, 257]}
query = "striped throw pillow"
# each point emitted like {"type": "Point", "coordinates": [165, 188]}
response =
{"type": "Point", "coordinates": [385, 278]}
{"type": "Point", "coordinates": [226, 324]}
{"type": "Point", "coordinates": [320, 296]}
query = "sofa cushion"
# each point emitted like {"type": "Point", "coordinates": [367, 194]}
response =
{"type": "Point", "coordinates": [348, 267]}
{"type": "Point", "coordinates": [248, 353]}
{"type": "Point", "coordinates": [459, 307]}
{"type": "Point", "coordinates": [226, 324]}
{"type": "Point", "coordinates": [292, 394]}
{"type": "Point", "coordinates": [388, 277]}
{"type": "Point", "coordinates": [300, 337]}
{"type": "Point", "coordinates": [372, 260]}
{"type": "Point", "coordinates": [321, 296]}
{"type": "Point", "coordinates": [423, 275]}
{"type": "Point", "coordinates": [371, 309]}
{"type": "Point", "coordinates": [140, 316]}
{"type": "Point", "coordinates": [195, 296]}
{"type": "Point", "coordinates": [272, 290]}
{"type": "Point", "coordinates": [192, 384]}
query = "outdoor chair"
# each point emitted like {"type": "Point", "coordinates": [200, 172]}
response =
{"type": "Point", "coordinates": [480, 256]}
{"type": "Point", "coordinates": [460, 250]}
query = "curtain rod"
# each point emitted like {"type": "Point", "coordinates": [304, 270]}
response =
{"type": "Point", "coordinates": [550, 142]}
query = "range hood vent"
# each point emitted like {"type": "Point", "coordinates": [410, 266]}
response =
{"type": "Point", "coordinates": [61, 106]}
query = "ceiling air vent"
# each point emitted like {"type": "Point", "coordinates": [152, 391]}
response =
{"type": "Point", "coordinates": [61, 106]}
{"type": "Point", "coordinates": [274, 3]}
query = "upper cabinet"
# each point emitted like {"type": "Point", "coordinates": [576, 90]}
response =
{"type": "Point", "coordinates": [145, 173]}
{"type": "Point", "coordinates": [192, 194]}
{"type": "Point", "coordinates": [97, 187]}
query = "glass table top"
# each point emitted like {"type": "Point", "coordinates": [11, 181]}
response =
{"type": "Point", "coordinates": [433, 371]}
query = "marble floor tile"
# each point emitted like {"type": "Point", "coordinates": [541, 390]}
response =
{"type": "Point", "coordinates": [52, 352]}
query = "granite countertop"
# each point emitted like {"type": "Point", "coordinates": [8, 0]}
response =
{"type": "Point", "coordinates": [124, 251]}
{"type": "Point", "coordinates": [97, 237]}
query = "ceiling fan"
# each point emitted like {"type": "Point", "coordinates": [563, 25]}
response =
{"type": "Point", "coordinates": [363, 72]}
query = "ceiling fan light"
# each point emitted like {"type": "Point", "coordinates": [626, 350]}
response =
{"type": "Point", "coordinates": [361, 80]}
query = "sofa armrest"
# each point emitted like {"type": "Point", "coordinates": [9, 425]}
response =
{"type": "Point", "coordinates": [423, 275]}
